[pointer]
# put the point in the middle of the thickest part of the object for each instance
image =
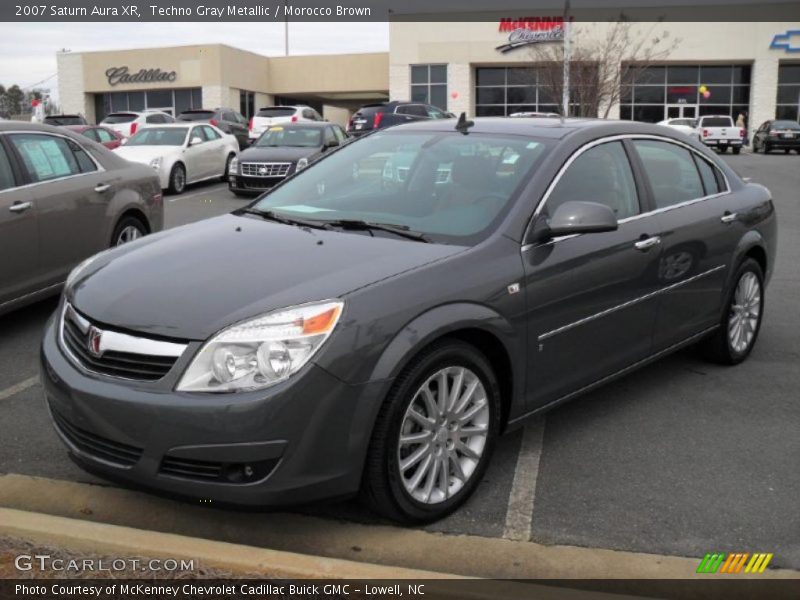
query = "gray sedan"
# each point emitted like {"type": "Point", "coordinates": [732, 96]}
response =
{"type": "Point", "coordinates": [62, 199]}
{"type": "Point", "coordinates": [343, 336]}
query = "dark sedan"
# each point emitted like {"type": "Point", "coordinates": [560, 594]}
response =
{"type": "Point", "coordinates": [281, 151]}
{"type": "Point", "coordinates": [62, 199]}
{"type": "Point", "coordinates": [342, 336]}
{"type": "Point", "coordinates": [777, 135]}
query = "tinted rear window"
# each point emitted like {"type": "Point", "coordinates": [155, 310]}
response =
{"type": "Point", "coordinates": [786, 125]}
{"type": "Point", "coordinates": [65, 120]}
{"type": "Point", "coordinates": [371, 110]}
{"type": "Point", "coordinates": [717, 122]}
{"type": "Point", "coordinates": [119, 118]}
{"type": "Point", "coordinates": [196, 115]}
{"type": "Point", "coordinates": [275, 111]}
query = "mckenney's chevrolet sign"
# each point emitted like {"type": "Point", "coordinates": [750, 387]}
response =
{"type": "Point", "coordinates": [531, 30]}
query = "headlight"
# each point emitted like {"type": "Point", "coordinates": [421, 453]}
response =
{"type": "Point", "coordinates": [233, 168]}
{"type": "Point", "coordinates": [302, 163]}
{"type": "Point", "coordinates": [156, 163]}
{"type": "Point", "coordinates": [262, 351]}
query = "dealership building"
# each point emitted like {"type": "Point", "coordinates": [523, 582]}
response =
{"type": "Point", "coordinates": [482, 68]}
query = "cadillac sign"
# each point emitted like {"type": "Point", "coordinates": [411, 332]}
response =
{"type": "Point", "coordinates": [531, 30]}
{"type": "Point", "coordinates": [117, 75]}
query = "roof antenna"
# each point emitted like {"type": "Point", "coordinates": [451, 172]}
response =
{"type": "Point", "coordinates": [464, 124]}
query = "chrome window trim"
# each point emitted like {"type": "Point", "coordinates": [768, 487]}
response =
{"type": "Point", "coordinates": [116, 342]}
{"type": "Point", "coordinates": [626, 136]}
{"type": "Point", "coordinates": [100, 167]}
{"type": "Point", "coordinates": [618, 307]}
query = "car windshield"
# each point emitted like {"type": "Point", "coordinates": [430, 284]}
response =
{"type": "Point", "coordinates": [119, 118]}
{"type": "Point", "coordinates": [786, 125]}
{"type": "Point", "coordinates": [159, 136]}
{"type": "Point", "coordinates": [301, 137]}
{"type": "Point", "coordinates": [450, 186]}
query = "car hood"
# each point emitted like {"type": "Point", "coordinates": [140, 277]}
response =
{"type": "Point", "coordinates": [192, 281]}
{"type": "Point", "coordinates": [277, 154]}
{"type": "Point", "coordinates": [144, 154]}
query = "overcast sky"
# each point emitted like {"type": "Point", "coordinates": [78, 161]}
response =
{"type": "Point", "coordinates": [28, 50]}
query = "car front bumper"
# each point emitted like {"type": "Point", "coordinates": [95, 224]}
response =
{"type": "Point", "coordinates": [252, 185]}
{"type": "Point", "coordinates": [304, 439]}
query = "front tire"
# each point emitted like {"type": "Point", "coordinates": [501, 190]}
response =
{"type": "Point", "coordinates": [434, 435]}
{"type": "Point", "coordinates": [741, 319]}
{"type": "Point", "coordinates": [177, 179]}
{"type": "Point", "coordinates": [228, 160]}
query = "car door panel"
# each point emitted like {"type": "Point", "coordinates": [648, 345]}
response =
{"type": "Point", "coordinates": [591, 299]}
{"type": "Point", "coordinates": [20, 271]}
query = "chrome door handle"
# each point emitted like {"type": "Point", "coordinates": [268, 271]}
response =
{"type": "Point", "coordinates": [647, 243]}
{"type": "Point", "coordinates": [102, 187]}
{"type": "Point", "coordinates": [728, 217]}
{"type": "Point", "coordinates": [19, 207]}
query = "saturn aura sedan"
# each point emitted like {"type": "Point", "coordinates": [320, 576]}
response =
{"type": "Point", "coordinates": [182, 154]}
{"type": "Point", "coordinates": [340, 336]}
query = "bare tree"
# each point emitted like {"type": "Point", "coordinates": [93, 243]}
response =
{"type": "Point", "coordinates": [600, 63]}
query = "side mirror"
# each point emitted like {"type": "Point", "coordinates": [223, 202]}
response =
{"type": "Point", "coordinates": [195, 140]}
{"type": "Point", "coordinates": [576, 217]}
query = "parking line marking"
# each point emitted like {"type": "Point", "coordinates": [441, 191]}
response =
{"type": "Point", "coordinates": [208, 190]}
{"type": "Point", "coordinates": [19, 387]}
{"type": "Point", "coordinates": [519, 514]}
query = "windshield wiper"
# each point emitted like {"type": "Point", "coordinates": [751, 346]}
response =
{"type": "Point", "coordinates": [272, 216]}
{"type": "Point", "coordinates": [400, 230]}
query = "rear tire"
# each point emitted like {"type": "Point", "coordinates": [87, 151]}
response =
{"type": "Point", "coordinates": [741, 317]}
{"type": "Point", "coordinates": [419, 492]}
{"type": "Point", "coordinates": [177, 179]}
{"type": "Point", "coordinates": [736, 150]}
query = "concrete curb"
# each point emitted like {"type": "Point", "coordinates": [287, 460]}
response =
{"type": "Point", "coordinates": [114, 540]}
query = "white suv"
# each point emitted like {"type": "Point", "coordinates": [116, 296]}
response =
{"type": "Point", "coordinates": [126, 122]}
{"type": "Point", "coordinates": [274, 115]}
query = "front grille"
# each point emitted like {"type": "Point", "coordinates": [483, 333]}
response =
{"type": "Point", "coordinates": [265, 169]}
{"type": "Point", "coordinates": [77, 332]}
{"type": "Point", "coordinates": [97, 446]}
{"type": "Point", "coordinates": [258, 183]}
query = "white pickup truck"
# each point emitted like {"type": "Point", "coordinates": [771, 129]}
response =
{"type": "Point", "coordinates": [719, 131]}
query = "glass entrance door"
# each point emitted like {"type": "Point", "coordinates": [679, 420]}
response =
{"type": "Point", "coordinates": [680, 111]}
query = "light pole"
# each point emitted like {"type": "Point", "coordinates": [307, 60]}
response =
{"type": "Point", "coordinates": [567, 56]}
{"type": "Point", "coordinates": [285, 30]}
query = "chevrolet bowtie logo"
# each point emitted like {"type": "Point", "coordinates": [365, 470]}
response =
{"type": "Point", "coordinates": [93, 339]}
{"type": "Point", "coordinates": [788, 42]}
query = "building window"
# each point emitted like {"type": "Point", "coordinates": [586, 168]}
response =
{"type": "Point", "coordinates": [663, 92]}
{"type": "Point", "coordinates": [788, 101]}
{"type": "Point", "coordinates": [429, 85]}
{"type": "Point", "coordinates": [247, 103]}
{"type": "Point", "coordinates": [502, 91]}
{"type": "Point", "coordinates": [171, 101]}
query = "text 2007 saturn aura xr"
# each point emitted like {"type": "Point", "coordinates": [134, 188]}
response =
{"type": "Point", "coordinates": [374, 323]}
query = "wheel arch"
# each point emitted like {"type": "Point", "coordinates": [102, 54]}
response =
{"type": "Point", "coordinates": [135, 212]}
{"type": "Point", "coordinates": [474, 324]}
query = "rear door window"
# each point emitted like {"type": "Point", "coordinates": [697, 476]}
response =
{"type": "Point", "coordinates": [45, 157]}
{"type": "Point", "coordinates": [103, 135]}
{"type": "Point", "coordinates": [673, 176]}
{"type": "Point", "coordinates": [6, 173]}
{"type": "Point", "coordinates": [712, 179]}
{"type": "Point", "coordinates": [210, 133]}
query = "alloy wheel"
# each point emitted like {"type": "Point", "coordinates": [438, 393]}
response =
{"type": "Point", "coordinates": [443, 435]}
{"type": "Point", "coordinates": [744, 313]}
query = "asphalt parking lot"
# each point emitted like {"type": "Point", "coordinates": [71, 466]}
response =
{"type": "Point", "coordinates": [680, 458]}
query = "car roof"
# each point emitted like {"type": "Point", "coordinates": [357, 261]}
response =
{"type": "Point", "coordinates": [303, 124]}
{"type": "Point", "coordinates": [543, 127]}
{"type": "Point", "coordinates": [71, 116]}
